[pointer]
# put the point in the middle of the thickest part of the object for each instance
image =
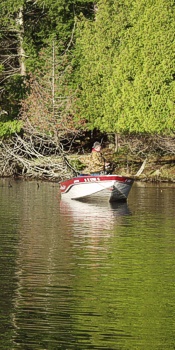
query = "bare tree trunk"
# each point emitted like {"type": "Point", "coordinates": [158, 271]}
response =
{"type": "Point", "coordinates": [116, 142]}
{"type": "Point", "coordinates": [21, 52]}
{"type": "Point", "coordinates": [53, 78]}
{"type": "Point", "coordinates": [95, 8]}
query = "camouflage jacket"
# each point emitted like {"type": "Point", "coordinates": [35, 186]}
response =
{"type": "Point", "coordinates": [96, 163]}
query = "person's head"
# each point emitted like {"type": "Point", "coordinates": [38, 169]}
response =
{"type": "Point", "coordinates": [97, 146]}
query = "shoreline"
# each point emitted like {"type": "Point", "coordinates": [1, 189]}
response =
{"type": "Point", "coordinates": [152, 158]}
{"type": "Point", "coordinates": [153, 178]}
{"type": "Point", "coordinates": [54, 169]}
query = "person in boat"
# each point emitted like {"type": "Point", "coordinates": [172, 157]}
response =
{"type": "Point", "coordinates": [97, 163]}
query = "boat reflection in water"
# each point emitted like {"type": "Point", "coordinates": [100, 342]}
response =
{"type": "Point", "coordinates": [94, 216]}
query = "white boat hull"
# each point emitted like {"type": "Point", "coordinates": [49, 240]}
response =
{"type": "Point", "coordinates": [112, 187]}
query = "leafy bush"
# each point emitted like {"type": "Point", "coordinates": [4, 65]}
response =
{"type": "Point", "coordinates": [10, 127]}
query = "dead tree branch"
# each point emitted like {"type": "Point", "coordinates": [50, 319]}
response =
{"type": "Point", "coordinates": [31, 157]}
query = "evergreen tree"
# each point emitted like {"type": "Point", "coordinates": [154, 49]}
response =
{"type": "Point", "coordinates": [126, 65]}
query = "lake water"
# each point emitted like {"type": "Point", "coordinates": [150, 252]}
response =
{"type": "Point", "coordinates": [84, 276]}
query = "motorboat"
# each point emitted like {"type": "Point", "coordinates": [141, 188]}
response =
{"type": "Point", "coordinates": [91, 187]}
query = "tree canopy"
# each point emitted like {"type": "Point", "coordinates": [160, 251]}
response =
{"type": "Point", "coordinates": [115, 60]}
{"type": "Point", "coordinates": [126, 63]}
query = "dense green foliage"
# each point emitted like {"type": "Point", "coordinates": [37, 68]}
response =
{"type": "Point", "coordinates": [116, 58]}
{"type": "Point", "coordinates": [8, 128]}
{"type": "Point", "coordinates": [126, 66]}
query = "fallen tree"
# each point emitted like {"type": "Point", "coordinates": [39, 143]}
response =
{"type": "Point", "coordinates": [33, 156]}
